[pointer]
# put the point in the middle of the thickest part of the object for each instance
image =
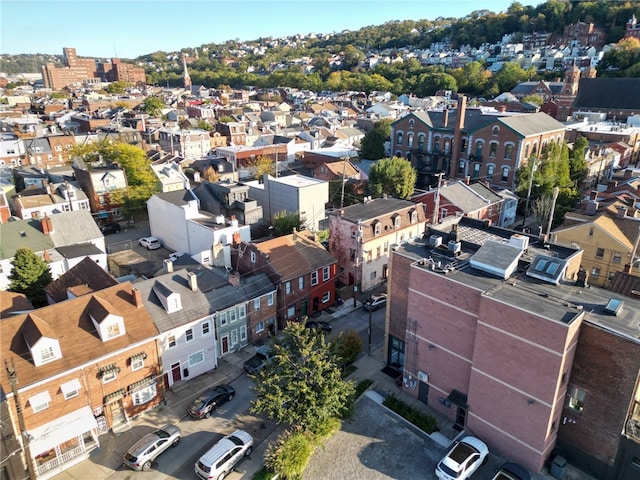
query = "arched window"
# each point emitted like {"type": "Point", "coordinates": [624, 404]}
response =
{"type": "Point", "coordinates": [526, 151]}
{"type": "Point", "coordinates": [490, 170]}
{"type": "Point", "coordinates": [479, 146]}
{"type": "Point", "coordinates": [421, 138]}
{"type": "Point", "coordinates": [505, 174]}
{"type": "Point", "coordinates": [508, 151]}
{"type": "Point", "coordinates": [411, 123]}
{"type": "Point", "coordinates": [446, 145]}
{"type": "Point", "coordinates": [534, 151]}
{"type": "Point", "coordinates": [476, 170]}
{"type": "Point", "coordinates": [399, 138]}
{"type": "Point", "coordinates": [495, 131]}
{"type": "Point", "coordinates": [461, 167]}
{"type": "Point", "coordinates": [436, 145]}
{"type": "Point", "coordinates": [493, 148]}
{"type": "Point", "coordinates": [410, 140]}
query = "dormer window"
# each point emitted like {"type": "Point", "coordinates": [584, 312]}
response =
{"type": "Point", "coordinates": [411, 123]}
{"type": "Point", "coordinates": [113, 330]}
{"type": "Point", "coordinates": [47, 354]}
{"type": "Point", "coordinates": [413, 216]}
{"type": "Point", "coordinates": [377, 228]}
{"type": "Point", "coordinates": [39, 401]}
{"type": "Point", "coordinates": [396, 221]}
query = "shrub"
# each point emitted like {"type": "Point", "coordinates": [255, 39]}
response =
{"type": "Point", "coordinates": [324, 430]}
{"type": "Point", "coordinates": [362, 387]}
{"type": "Point", "coordinates": [421, 420]}
{"type": "Point", "coordinates": [347, 347]}
{"type": "Point", "coordinates": [288, 456]}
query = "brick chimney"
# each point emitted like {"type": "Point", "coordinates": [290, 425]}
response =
{"type": "Point", "coordinates": [46, 225]}
{"type": "Point", "coordinates": [294, 237]}
{"type": "Point", "coordinates": [234, 278]}
{"type": "Point", "coordinates": [137, 297]}
{"type": "Point", "coordinates": [445, 117]}
{"type": "Point", "coordinates": [193, 281]}
{"type": "Point", "coordinates": [457, 135]}
{"type": "Point", "coordinates": [622, 211]}
{"type": "Point", "coordinates": [593, 195]}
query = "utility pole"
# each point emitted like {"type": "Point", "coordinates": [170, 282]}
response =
{"type": "Point", "coordinates": [526, 205]}
{"type": "Point", "coordinates": [344, 168]}
{"type": "Point", "coordinates": [370, 310]}
{"type": "Point", "coordinates": [13, 380]}
{"type": "Point", "coordinates": [556, 190]}
{"type": "Point", "coordinates": [356, 273]}
{"type": "Point", "coordinates": [436, 206]}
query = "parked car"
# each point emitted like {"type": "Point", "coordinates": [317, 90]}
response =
{"type": "Point", "coordinates": [463, 459]}
{"type": "Point", "coordinates": [209, 400]}
{"type": "Point", "coordinates": [176, 255]}
{"type": "Point", "coordinates": [142, 454]}
{"type": "Point", "coordinates": [512, 471]}
{"type": "Point", "coordinates": [376, 302]}
{"type": "Point", "coordinates": [220, 459]}
{"type": "Point", "coordinates": [257, 362]}
{"type": "Point", "coordinates": [150, 243]}
{"type": "Point", "coordinates": [319, 325]}
{"type": "Point", "coordinates": [108, 228]}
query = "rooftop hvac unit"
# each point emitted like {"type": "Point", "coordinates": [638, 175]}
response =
{"type": "Point", "coordinates": [435, 240]}
{"type": "Point", "coordinates": [219, 219]}
{"type": "Point", "coordinates": [519, 241]}
{"type": "Point", "coordinates": [454, 246]}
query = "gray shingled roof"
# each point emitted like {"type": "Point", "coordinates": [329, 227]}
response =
{"type": "Point", "coordinates": [177, 197]}
{"type": "Point", "coordinates": [608, 93]}
{"type": "Point", "coordinates": [375, 208]}
{"type": "Point", "coordinates": [532, 123]}
{"type": "Point", "coordinates": [70, 228]}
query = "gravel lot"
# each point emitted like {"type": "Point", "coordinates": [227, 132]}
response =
{"type": "Point", "coordinates": [374, 445]}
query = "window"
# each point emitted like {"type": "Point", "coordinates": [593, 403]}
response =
{"type": "Point", "coordinates": [526, 151]}
{"type": "Point", "coordinates": [47, 354]}
{"type": "Point", "coordinates": [256, 304]}
{"type": "Point", "coordinates": [260, 326]}
{"type": "Point", "coordinates": [508, 151]}
{"type": "Point", "coordinates": [109, 376]}
{"type": "Point", "coordinates": [243, 333]}
{"type": "Point", "coordinates": [378, 251]}
{"type": "Point", "coordinates": [479, 145]}
{"type": "Point", "coordinates": [206, 329]}
{"type": "Point", "coordinates": [446, 145]}
{"type": "Point", "coordinates": [576, 399]}
{"type": "Point", "coordinates": [476, 170]}
{"type": "Point", "coordinates": [223, 318]}
{"type": "Point", "coordinates": [232, 315]}
{"type": "Point", "coordinates": [300, 283]}
{"type": "Point", "coordinates": [396, 221]}
{"type": "Point", "coordinates": [188, 335]}
{"type": "Point", "coordinates": [495, 131]}
{"type": "Point", "coordinates": [436, 145]}
{"type": "Point", "coordinates": [413, 218]}
{"type": "Point", "coordinates": [270, 298]}
{"type": "Point", "coordinates": [196, 358]}
{"type": "Point", "coordinates": [326, 297]}
{"type": "Point", "coordinates": [493, 148]}
{"type": "Point", "coordinates": [399, 138]}
{"type": "Point", "coordinates": [234, 337]}
{"type": "Point", "coordinates": [421, 141]}
{"type": "Point", "coordinates": [617, 257]}
{"type": "Point", "coordinates": [291, 311]}
{"type": "Point", "coordinates": [171, 341]}
{"type": "Point", "coordinates": [352, 255]}
{"type": "Point", "coordinates": [144, 395]}
{"type": "Point", "coordinates": [490, 170]}
{"type": "Point", "coordinates": [600, 252]}
{"type": "Point", "coordinates": [595, 272]}
{"type": "Point", "coordinates": [40, 402]}
{"type": "Point", "coordinates": [253, 257]}
{"type": "Point", "coordinates": [373, 275]}
{"type": "Point", "coordinates": [591, 230]}
{"type": "Point", "coordinates": [287, 288]}
{"type": "Point", "coordinates": [113, 330]}
{"type": "Point", "coordinates": [410, 140]}
{"type": "Point", "coordinates": [137, 363]}
{"type": "Point", "coordinates": [505, 174]}
{"type": "Point", "coordinates": [314, 278]}
{"type": "Point", "coordinates": [463, 145]}
{"type": "Point", "coordinates": [242, 312]}
{"type": "Point", "coordinates": [411, 123]}
{"type": "Point", "coordinates": [326, 273]}
{"type": "Point", "coordinates": [461, 167]}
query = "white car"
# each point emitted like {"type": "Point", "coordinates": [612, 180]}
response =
{"type": "Point", "coordinates": [220, 459]}
{"type": "Point", "coordinates": [150, 243]}
{"type": "Point", "coordinates": [376, 302]}
{"type": "Point", "coordinates": [176, 255]}
{"type": "Point", "coordinates": [463, 459]}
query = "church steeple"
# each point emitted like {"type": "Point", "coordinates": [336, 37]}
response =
{"type": "Point", "coordinates": [187, 78]}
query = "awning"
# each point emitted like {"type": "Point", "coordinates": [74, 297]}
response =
{"type": "Point", "coordinates": [62, 429]}
{"type": "Point", "coordinates": [114, 396]}
{"type": "Point", "coordinates": [69, 387]}
{"type": "Point", "coordinates": [39, 399]}
{"type": "Point", "coordinates": [137, 356]}
{"type": "Point", "coordinates": [458, 398]}
{"type": "Point", "coordinates": [145, 382]}
{"type": "Point", "coordinates": [107, 369]}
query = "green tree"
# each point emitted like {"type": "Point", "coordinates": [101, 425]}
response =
{"type": "Point", "coordinates": [392, 176]}
{"type": "Point", "coordinates": [372, 145]}
{"type": "Point", "coordinates": [302, 384]}
{"type": "Point", "coordinates": [153, 106]}
{"type": "Point", "coordinates": [535, 99]}
{"type": "Point", "coordinates": [284, 222]}
{"type": "Point", "coordinates": [577, 161]}
{"type": "Point", "coordinates": [30, 275]}
{"type": "Point", "coordinates": [347, 347]}
{"type": "Point", "coordinates": [117, 88]}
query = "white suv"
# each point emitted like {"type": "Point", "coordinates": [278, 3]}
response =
{"type": "Point", "coordinates": [463, 459]}
{"type": "Point", "coordinates": [150, 243]}
{"type": "Point", "coordinates": [220, 459]}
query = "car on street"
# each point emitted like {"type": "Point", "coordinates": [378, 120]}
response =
{"type": "Point", "coordinates": [466, 456]}
{"type": "Point", "coordinates": [257, 362]}
{"type": "Point", "coordinates": [142, 454]}
{"type": "Point", "coordinates": [220, 459]}
{"type": "Point", "coordinates": [176, 255]}
{"type": "Point", "coordinates": [376, 302]}
{"type": "Point", "coordinates": [319, 325]}
{"type": "Point", "coordinates": [512, 471]}
{"type": "Point", "coordinates": [108, 228]}
{"type": "Point", "coordinates": [150, 243]}
{"type": "Point", "coordinates": [209, 400]}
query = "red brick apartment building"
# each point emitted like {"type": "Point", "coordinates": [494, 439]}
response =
{"type": "Point", "coordinates": [467, 142]}
{"type": "Point", "coordinates": [498, 332]}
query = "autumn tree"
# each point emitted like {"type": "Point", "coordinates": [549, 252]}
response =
{"type": "Point", "coordinates": [392, 176]}
{"type": "Point", "coordinates": [302, 384]}
{"type": "Point", "coordinates": [261, 165]}
{"type": "Point", "coordinates": [30, 275]}
{"type": "Point", "coordinates": [210, 174]}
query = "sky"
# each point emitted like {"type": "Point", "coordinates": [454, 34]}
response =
{"type": "Point", "coordinates": [130, 28]}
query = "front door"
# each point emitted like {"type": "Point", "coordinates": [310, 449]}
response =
{"type": "Point", "coordinates": [175, 372]}
{"type": "Point", "coordinates": [461, 418]}
{"type": "Point", "coordinates": [304, 308]}
{"type": "Point", "coordinates": [225, 344]}
{"type": "Point", "coordinates": [117, 413]}
{"type": "Point", "coordinates": [423, 392]}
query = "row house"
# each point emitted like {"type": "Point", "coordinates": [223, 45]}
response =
{"type": "Point", "coordinates": [460, 198]}
{"type": "Point", "coordinates": [12, 150]}
{"type": "Point", "coordinates": [37, 203]}
{"type": "Point", "coordinates": [62, 240]}
{"type": "Point", "coordinates": [43, 151]}
{"type": "Point", "coordinates": [471, 143]}
{"type": "Point", "coordinates": [301, 270]}
{"type": "Point", "coordinates": [170, 176]}
{"type": "Point", "coordinates": [609, 240]}
{"type": "Point", "coordinates": [101, 185]}
{"type": "Point", "coordinates": [75, 370]}
{"type": "Point", "coordinates": [189, 144]}
{"type": "Point", "coordinates": [362, 234]}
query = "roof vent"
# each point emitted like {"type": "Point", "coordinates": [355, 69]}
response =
{"type": "Point", "coordinates": [614, 305]}
{"type": "Point", "coordinates": [435, 240]}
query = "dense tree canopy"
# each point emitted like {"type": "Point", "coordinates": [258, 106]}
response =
{"type": "Point", "coordinates": [30, 275]}
{"type": "Point", "coordinates": [392, 176]}
{"type": "Point", "coordinates": [284, 222]}
{"type": "Point", "coordinates": [372, 145]}
{"type": "Point", "coordinates": [302, 384]}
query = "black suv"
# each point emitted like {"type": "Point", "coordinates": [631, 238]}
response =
{"type": "Point", "coordinates": [110, 228]}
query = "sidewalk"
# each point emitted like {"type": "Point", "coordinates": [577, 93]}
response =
{"type": "Point", "coordinates": [105, 460]}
